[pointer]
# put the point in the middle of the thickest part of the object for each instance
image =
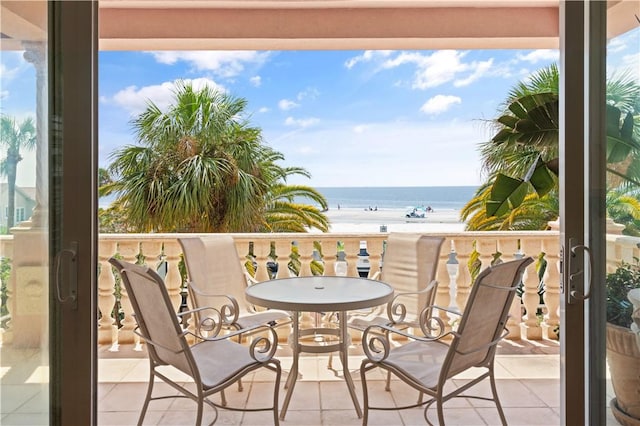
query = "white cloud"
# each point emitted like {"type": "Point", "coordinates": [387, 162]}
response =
{"type": "Point", "coordinates": [360, 128]}
{"type": "Point", "coordinates": [263, 110]}
{"type": "Point", "coordinates": [480, 69]}
{"type": "Point", "coordinates": [367, 56]}
{"type": "Point", "coordinates": [448, 66]}
{"type": "Point", "coordinates": [308, 93]}
{"type": "Point", "coordinates": [301, 122]}
{"type": "Point", "coordinates": [439, 68]}
{"type": "Point", "coordinates": [4, 94]}
{"type": "Point", "coordinates": [256, 81]}
{"type": "Point", "coordinates": [135, 99]}
{"type": "Point", "coordinates": [223, 63]}
{"type": "Point", "coordinates": [287, 104]}
{"type": "Point", "coordinates": [439, 104]}
{"type": "Point", "coordinates": [540, 55]}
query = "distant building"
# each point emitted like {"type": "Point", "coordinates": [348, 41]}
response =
{"type": "Point", "coordinates": [25, 202]}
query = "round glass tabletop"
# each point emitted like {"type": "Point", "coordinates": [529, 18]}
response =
{"type": "Point", "coordinates": [319, 293]}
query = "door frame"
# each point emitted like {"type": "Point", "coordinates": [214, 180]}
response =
{"type": "Point", "coordinates": [582, 210]}
{"type": "Point", "coordinates": [72, 61]}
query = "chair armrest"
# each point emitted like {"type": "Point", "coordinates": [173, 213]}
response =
{"type": "Point", "coordinates": [262, 349]}
{"type": "Point", "coordinates": [397, 311]}
{"type": "Point", "coordinates": [376, 276]}
{"type": "Point", "coordinates": [230, 311]}
{"type": "Point", "coordinates": [376, 340]}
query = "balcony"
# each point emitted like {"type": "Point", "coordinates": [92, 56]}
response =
{"type": "Point", "coordinates": [527, 361]}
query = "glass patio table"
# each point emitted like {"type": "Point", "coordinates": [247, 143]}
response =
{"type": "Point", "coordinates": [319, 294]}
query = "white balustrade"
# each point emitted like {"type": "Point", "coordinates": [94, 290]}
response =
{"type": "Point", "coordinates": [280, 249]}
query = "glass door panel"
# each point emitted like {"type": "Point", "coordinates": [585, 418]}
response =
{"type": "Point", "coordinates": [47, 262]}
{"type": "Point", "coordinates": [599, 186]}
{"type": "Point", "coordinates": [620, 387]}
{"type": "Point", "coordinates": [24, 244]}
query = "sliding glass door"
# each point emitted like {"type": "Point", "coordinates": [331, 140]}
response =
{"type": "Point", "coordinates": [47, 262]}
{"type": "Point", "coordinates": [599, 185]}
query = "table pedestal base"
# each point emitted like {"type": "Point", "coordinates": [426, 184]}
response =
{"type": "Point", "coordinates": [320, 340]}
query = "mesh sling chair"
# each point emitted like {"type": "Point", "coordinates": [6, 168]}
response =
{"type": "Point", "coordinates": [410, 264]}
{"type": "Point", "coordinates": [214, 363]}
{"type": "Point", "coordinates": [216, 278]}
{"type": "Point", "coordinates": [427, 363]}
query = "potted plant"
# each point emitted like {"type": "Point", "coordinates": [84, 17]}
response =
{"type": "Point", "coordinates": [623, 350]}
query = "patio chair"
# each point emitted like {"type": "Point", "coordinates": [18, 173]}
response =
{"type": "Point", "coordinates": [428, 362]}
{"type": "Point", "coordinates": [214, 363]}
{"type": "Point", "coordinates": [216, 278]}
{"type": "Point", "coordinates": [410, 264]}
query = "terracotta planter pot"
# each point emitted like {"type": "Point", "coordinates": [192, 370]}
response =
{"type": "Point", "coordinates": [624, 365]}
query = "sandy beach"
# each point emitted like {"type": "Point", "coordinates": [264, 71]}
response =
{"type": "Point", "coordinates": [365, 221]}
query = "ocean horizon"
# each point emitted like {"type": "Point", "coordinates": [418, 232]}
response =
{"type": "Point", "coordinates": [385, 197]}
{"type": "Point", "coordinates": [398, 197]}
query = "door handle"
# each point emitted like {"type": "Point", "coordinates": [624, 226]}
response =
{"type": "Point", "coordinates": [71, 297]}
{"type": "Point", "coordinates": [574, 294]}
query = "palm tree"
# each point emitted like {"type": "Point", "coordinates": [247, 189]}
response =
{"type": "Point", "coordinates": [533, 213]}
{"type": "Point", "coordinates": [526, 144]}
{"type": "Point", "coordinates": [623, 206]}
{"type": "Point", "coordinates": [201, 167]}
{"type": "Point", "coordinates": [15, 137]}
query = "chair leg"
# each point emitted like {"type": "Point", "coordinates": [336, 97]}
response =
{"type": "Point", "coordinates": [148, 397]}
{"type": "Point", "coordinates": [387, 386]}
{"type": "Point", "coordinates": [365, 395]}
{"type": "Point", "coordinates": [494, 391]}
{"type": "Point", "coordinates": [198, 421]}
{"type": "Point", "coordinates": [223, 398]}
{"type": "Point", "coordinates": [276, 419]}
{"type": "Point", "coordinates": [439, 407]}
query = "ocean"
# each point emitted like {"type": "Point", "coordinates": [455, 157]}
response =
{"type": "Point", "coordinates": [437, 197]}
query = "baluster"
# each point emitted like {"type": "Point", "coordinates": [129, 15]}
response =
{"type": "Point", "coordinates": [330, 251]}
{"type": "Point", "coordinates": [510, 245]}
{"type": "Point", "coordinates": [375, 249]}
{"type": "Point", "coordinates": [261, 251]}
{"type": "Point", "coordinates": [552, 288]}
{"type": "Point", "coordinates": [486, 247]}
{"type": "Point", "coordinates": [464, 248]}
{"type": "Point", "coordinates": [530, 297]}
{"type": "Point", "coordinates": [305, 250]}
{"type": "Point", "coordinates": [447, 274]}
{"type": "Point", "coordinates": [351, 249]}
{"type": "Point", "coordinates": [283, 253]}
{"type": "Point", "coordinates": [129, 251]}
{"type": "Point", "coordinates": [107, 330]}
{"type": "Point", "coordinates": [173, 280]}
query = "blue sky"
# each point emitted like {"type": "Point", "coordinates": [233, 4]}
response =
{"type": "Point", "coordinates": [351, 118]}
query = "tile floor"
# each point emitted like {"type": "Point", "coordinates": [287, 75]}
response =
{"type": "Point", "coordinates": [527, 380]}
{"type": "Point", "coordinates": [321, 397]}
